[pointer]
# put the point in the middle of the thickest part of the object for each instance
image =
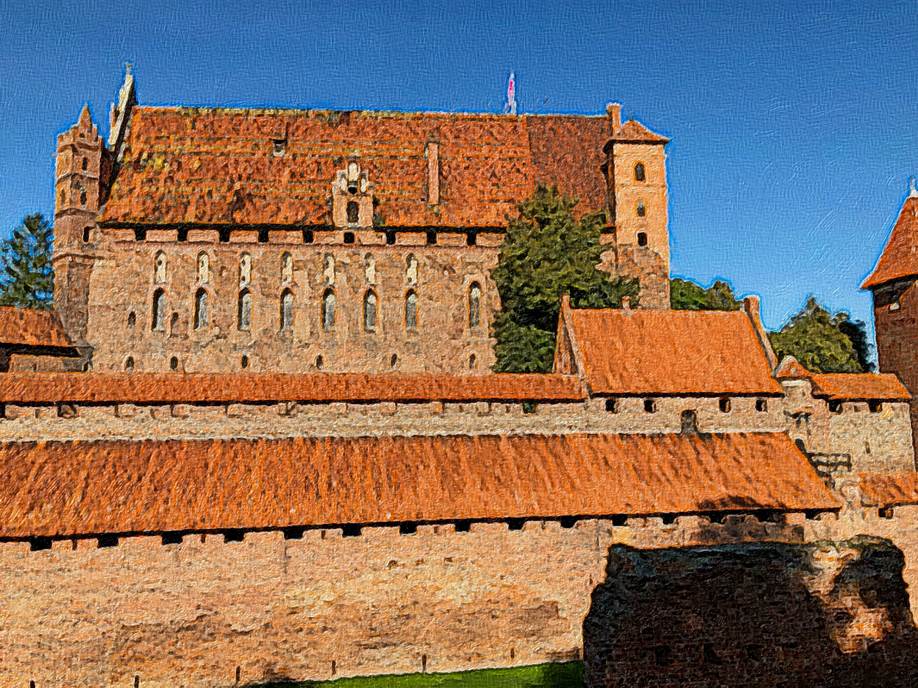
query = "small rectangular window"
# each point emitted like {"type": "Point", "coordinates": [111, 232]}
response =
{"type": "Point", "coordinates": [612, 405]}
{"type": "Point", "coordinates": [348, 237]}
{"type": "Point", "coordinates": [761, 405]}
{"type": "Point", "coordinates": [875, 406]}
{"type": "Point", "coordinates": [650, 405]}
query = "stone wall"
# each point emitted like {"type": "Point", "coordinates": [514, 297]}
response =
{"type": "Point", "coordinates": [753, 615]}
{"type": "Point", "coordinates": [287, 419]}
{"type": "Point", "coordinates": [125, 280]}
{"type": "Point", "coordinates": [849, 436]}
{"type": "Point", "coordinates": [380, 600]}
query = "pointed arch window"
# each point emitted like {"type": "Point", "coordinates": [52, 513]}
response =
{"type": "Point", "coordinates": [286, 268]}
{"type": "Point", "coordinates": [203, 268]}
{"type": "Point", "coordinates": [369, 311]}
{"type": "Point", "coordinates": [159, 269]}
{"type": "Point", "coordinates": [286, 310]}
{"type": "Point", "coordinates": [328, 310]}
{"type": "Point", "coordinates": [200, 309]}
{"type": "Point", "coordinates": [158, 320]}
{"type": "Point", "coordinates": [245, 270]}
{"type": "Point", "coordinates": [474, 305]}
{"type": "Point", "coordinates": [411, 310]}
{"type": "Point", "coordinates": [244, 315]}
{"type": "Point", "coordinates": [639, 172]}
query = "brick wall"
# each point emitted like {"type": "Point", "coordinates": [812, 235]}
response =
{"type": "Point", "coordinates": [285, 419]}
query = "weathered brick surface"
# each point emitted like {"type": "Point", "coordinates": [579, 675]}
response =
{"type": "Point", "coordinates": [763, 614]}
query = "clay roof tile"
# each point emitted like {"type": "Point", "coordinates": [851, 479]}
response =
{"type": "Point", "coordinates": [900, 256]}
{"type": "Point", "coordinates": [31, 328]}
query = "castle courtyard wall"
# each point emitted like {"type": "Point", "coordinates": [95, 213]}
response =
{"type": "Point", "coordinates": [208, 612]}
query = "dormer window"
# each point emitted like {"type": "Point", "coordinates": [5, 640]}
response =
{"type": "Point", "coordinates": [352, 197]}
{"type": "Point", "coordinates": [280, 147]}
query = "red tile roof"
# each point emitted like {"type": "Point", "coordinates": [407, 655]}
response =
{"type": "Point", "coordinates": [669, 352]}
{"type": "Point", "coordinates": [855, 386]}
{"type": "Point", "coordinates": [32, 328]}
{"type": "Point", "coordinates": [72, 488]}
{"type": "Point", "coordinates": [216, 166]}
{"type": "Point", "coordinates": [153, 388]}
{"type": "Point", "coordinates": [900, 256]}
{"type": "Point", "coordinates": [633, 131]}
{"type": "Point", "coordinates": [890, 489]}
{"type": "Point", "coordinates": [845, 386]}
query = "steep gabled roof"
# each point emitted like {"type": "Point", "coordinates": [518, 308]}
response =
{"type": "Point", "coordinates": [216, 166]}
{"type": "Point", "coordinates": [225, 388]}
{"type": "Point", "coordinates": [76, 488]}
{"type": "Point", "coordinates": [900, 256]}
{"type": "Point", "coordinates": [668, 352]}
{"type": "Point", "coordinates": [28, 327]}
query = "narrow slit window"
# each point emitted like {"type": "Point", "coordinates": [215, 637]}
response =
{"type": "Point", "coordinates": [328, 311]}
{"type": "Point", "coordinates": [411, 311]}
{"type": "Point", "coordinates": [474, 305]}
{"type": "Point", "coordinates": [353, 212]}
{"type": "Point", "coordinates": [244, 314]}
{"type": "Point", "coordinates": [159, 310]}
{"type": "Point", "coordinates": [286, 268]}
{"type": "Point", "coordinates": [286, 310]}
{"type": "Point", "coordinates": [641, 209]}
{"type": "Point", "coordinates": [245, 269]}
{"type": "Point", "coordinates": [203, 268]}
{"type": "Point", "coordinates": [200, 309]}
{"type": "Point", "coordinates": [642, 238]}
{"type": "Point", "coordinates": [369, 312]}
{"type": "Point", "coordinates": [639, 172]}
{"type": "Point", "coordinates": [159, 269]}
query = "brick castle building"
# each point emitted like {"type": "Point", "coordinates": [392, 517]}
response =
{"type": "Point", "coordinates": [209, 239]}
{"type": "Point", "coordinates": [281, 455]}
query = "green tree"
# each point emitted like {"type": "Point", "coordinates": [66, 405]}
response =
{"type": "Point", "coordinates": [548, 252]}
{"type": "Point", "coordinates": [685, 295]}
{"type": "Point", "coordinates": [823, 342]}
{"type": "Point", "coordinates": [26, 276]}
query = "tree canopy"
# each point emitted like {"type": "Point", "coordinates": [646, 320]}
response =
{"type": "Point", "coordinates": [26, 275]}
{"type": "Point", "coordinates": [686, 295]}
{"type": "Point", "coordinates": [548, 252]}
{"type": "Point", "coordinates": [824, 342]}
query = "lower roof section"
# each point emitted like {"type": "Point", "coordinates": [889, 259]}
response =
{"type": "Point", "coordinates": [226, 388]}
{"type": "Point", "coordinates": [74, 488]}
{"type": "Point", "coordinates": [889, 489]}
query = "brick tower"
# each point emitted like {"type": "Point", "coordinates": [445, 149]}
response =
{"type": "Point", "coordinates": [895, 301]}
{"type": "Point", "coordinates": [79, 173]}
{"type": "Point", "coordinates": [635, 171]}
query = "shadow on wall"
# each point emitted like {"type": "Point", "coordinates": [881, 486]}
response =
{"type": "Point", "coordinates": [833, 615]}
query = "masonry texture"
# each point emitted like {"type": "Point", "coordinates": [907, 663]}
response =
{"type": "Point", "coordinates": [222, 240]}
{"type": "Point", "coordinates": [825, 614]}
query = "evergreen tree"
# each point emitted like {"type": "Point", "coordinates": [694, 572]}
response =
{"type": "Point", "coordinates": [26, 276]}
{"type": "Point", "coordinates": [547, 252]}
{"type": "Point", "coordinates": [687, 295]}
{"type": "Point", "coordinates": [823, 342]}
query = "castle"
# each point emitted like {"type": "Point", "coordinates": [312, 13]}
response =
{"type": "Point", "coordinates": [257, 439]}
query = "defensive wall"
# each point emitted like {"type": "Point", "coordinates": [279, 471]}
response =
{"type": "Point", "coordinates": [224, 609]}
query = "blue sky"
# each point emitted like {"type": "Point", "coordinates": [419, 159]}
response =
{"type": "Point", "coordinates": [794, 125]}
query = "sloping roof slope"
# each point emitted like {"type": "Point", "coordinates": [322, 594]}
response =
{"type": "Point", "coordinates": [216, 166]}
{"type": "Point", "coordinates": [894, 489]}
{"type": "Point", "coordinates": [69, 488]}
{"type": "Point", "coordinates": [900, 256]}
{"type": "Point", "coordinates": [31, 327]}
{"type": "Point", "coordinates": [854, 386]}
{"type": "Point", "coordinates": [669, 352]}
{"type": "Point", "coordinates": [153, 388]}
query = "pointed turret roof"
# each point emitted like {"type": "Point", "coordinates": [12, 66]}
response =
{"type": "Point", "coordinates": [900, 256]}
{"type": "Point", "coordinates": [85, 120]}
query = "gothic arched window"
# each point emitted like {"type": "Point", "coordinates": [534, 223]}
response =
{"type": "Point", "coordinates": [474, 305]}
{"type": "Point", "coordinates": [328, 310]}
{"type": "Point", "coordinates": [200, 309]}
{"type": "Point", "coordinates": [286, 268]}
{"type": "Point", "coordinates": [369, 311]}
{"type": "Point", "coordinates": [158, 321]}
{"type": "Point", "coordinates": [353, 212]}
{"type": "Point", "coordinates": [411, 270]}
{"type": "Point", "coordinates": [639, 174]}
{"type": "Point", "coordinates": [159, 271]}
{"type": "Point", "coordinates": [286, 310]}
{"type": "Point", "coordinates": [369, 268]}
{"type": "Point", "coordinates": [244, 319]}
{"type": "Point", "coordinates": [641, 209]}
{"type": "Point", "coordinates": [411, 310]}
{"type": "Point", "coordinates": [203, 268]}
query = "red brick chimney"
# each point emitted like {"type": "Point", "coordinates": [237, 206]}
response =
{"type": "Point", "coordinates": [614, 110]}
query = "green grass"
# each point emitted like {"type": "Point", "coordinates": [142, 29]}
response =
{"type": "Point", "coordinates": [566, 675]}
